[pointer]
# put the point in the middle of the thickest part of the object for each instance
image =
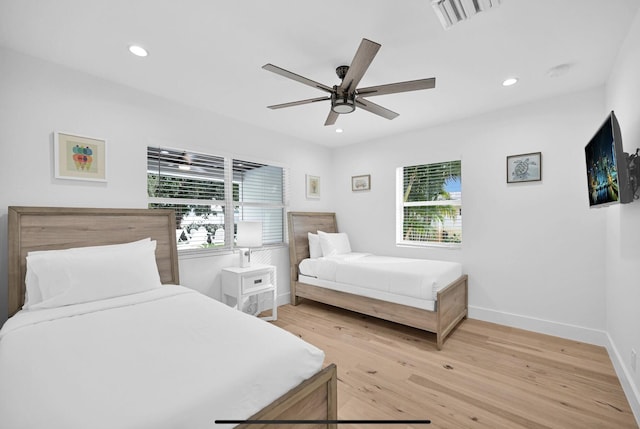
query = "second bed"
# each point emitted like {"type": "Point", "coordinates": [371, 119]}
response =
{"type": "Point", "coordinates": [429, 295]}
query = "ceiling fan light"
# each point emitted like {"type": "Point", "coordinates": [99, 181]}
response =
{"type": "Point", "coordinates": [341, 105]}
{"type": "Point", "coordinates": [343, 108]}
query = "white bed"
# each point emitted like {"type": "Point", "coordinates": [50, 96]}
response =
{"type": "Point", "coordinates": [105, 340]}
{"type": "Point", "coordinates": [165, 358]}
{"type": "Point", "coordinates": [429, 295]}
{"type": "Point", "coordinates": [405, 281]}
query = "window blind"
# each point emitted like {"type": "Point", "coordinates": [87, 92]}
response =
{"type": "Point", "coordinates": [210, 194]}
{"type": "Point", "coordinates": [184, 175]}
{"type": "Point", "coordinates": [260, 197]}
{"type": "Point", "coordinates": [430, 210]}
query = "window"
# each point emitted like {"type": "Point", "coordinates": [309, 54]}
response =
{"type": "Point", "coordinates": [429, 208]}
{"type": "Point", "coordinates": [210, 194]}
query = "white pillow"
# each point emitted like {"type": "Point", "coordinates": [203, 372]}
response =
{"type": "Point", "coordinates": [63, 277]}
{"type": "Point", "coordinates": [315, 251]}
{"type": "Point", "coordinates": [33, 294]}
{"type": "Point", "coordinates": [334, 243]}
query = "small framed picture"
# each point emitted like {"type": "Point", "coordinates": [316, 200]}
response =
{"type": "Point", "coordinates": [79, 157]}
{"type": "Point", "coordinates": [526, 167]}
{"type": "Point", "coordinates": [313, 186]}
{"type": "Point", "coordinates": [361, 183]}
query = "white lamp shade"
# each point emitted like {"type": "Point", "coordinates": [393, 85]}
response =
{"type": "Point", "coordinates": [249, 234]}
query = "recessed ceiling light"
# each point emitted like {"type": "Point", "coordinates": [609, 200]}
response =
{"type": "Point", "coordinates": [510, 81]}
{"type": "Point", "coordinates": [138, 51]}
{"type": "Point", "coordinates": [339, 130]}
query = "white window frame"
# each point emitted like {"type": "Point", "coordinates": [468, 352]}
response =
{"type": "Point", "coordinates": [400, 205]}
{"type": "Point", "coordinates": [231, 207]}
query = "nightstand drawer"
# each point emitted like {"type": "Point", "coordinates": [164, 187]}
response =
{"type": "Point", "coordinates": [257, 281]}
{"type": "Point", "coordinates": [250, 288]}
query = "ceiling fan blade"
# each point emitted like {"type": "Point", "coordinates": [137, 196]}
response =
{"type": "Point", "coordinates": [298, 103]}
{"type": "Point", "coordinates": [375, 108]}
{"type": "Point", "coordinates": [393, 88]}
{"type": "Point", "coordinates": [364, 56]}
{"type": "Point", "coordinates": [296, 77]}
{"type": "Point", "coordinates": [331, 119]}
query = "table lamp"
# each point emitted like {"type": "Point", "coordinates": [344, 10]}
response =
{"type": "Point", "coordinates": [249, 235]}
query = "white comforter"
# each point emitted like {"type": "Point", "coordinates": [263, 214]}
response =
{"type": "Point", "coordinates": [166, 358]}
{"type": "Point", "coordinates": [416, 278]}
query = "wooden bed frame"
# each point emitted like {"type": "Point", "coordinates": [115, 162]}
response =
{"type": "Point", "coordinates": [451, 304]}
{"type": "Point", "coordinates": [49, 228]}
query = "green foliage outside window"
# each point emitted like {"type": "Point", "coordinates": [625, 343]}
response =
{"type": "Point", "coordinates": [427, 217]}
{"type": "Point", "coordinates": [195, 189]}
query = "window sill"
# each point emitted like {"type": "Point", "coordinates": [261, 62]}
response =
{"type": "Point", "coordinates": [452, 246]}
{"type": "Point", "coordinates": [213, 252]}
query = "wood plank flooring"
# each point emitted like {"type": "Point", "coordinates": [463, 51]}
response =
{"type": "Point", "coordinates": [486, 376]}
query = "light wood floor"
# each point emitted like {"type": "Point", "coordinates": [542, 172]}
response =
{"type": "Point", "coordinates": [486, 376]}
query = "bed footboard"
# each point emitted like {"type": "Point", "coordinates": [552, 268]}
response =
{"type": "Point", "coordinates": [313, 399]}
{"type": "Point", "coordinates": [452, 308]}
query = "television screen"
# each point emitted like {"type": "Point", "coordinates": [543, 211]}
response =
{"type": "Point", "coordinates": [607, 175]}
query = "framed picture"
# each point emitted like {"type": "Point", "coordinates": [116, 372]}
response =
{"type": "Point", "coordinates": [361, 183]}
{"type": "Point", "coordinates": [313, 186]}
{"type": "Point", "coordinates": [79, 157]}
{"type": "Point", "coordinates": [526, 167]}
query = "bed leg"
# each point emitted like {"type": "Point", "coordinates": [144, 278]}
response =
{"type": "Point", "coordinates": [439, 341]}
{"type": "Point", "coordinates": [294, 298]}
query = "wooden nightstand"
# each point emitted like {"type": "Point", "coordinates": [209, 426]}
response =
{"type": "Point", "coordinates": [242, 283]}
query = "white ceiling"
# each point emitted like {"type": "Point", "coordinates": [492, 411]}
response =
{"type": "Point", "coordinates": [209, 54]}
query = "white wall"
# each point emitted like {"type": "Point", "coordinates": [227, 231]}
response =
{"type": "Point", "coordinates": [534, 251]}
{"type": "Point", "coordinates": [623, 224]}
{"type": "Point", "coordinates": [40, 97]}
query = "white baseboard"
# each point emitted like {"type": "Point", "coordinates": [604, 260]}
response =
{"type": "Point", "coordinates": [563, 330]}
{"type": "Point", "coordinates": [626, 379]}
{"type": "Point", "coordinates": [284, 299]}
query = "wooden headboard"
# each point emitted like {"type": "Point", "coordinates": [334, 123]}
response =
{"type": "Point", "coordinates": [300, 224]}
{"type": "Point", "coordinates": [49, 228]}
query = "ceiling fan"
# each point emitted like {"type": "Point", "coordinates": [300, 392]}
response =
{"type": "Point", "coordinates": [347, 96]}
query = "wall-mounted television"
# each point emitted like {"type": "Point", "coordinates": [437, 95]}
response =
{"type": "Point", "coordinates": [607, 171]}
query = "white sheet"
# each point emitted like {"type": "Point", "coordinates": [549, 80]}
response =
{"type": "Point", "coordinates": [424, 304]}
{"type": "Point", "coordinates": [414, 278]}
{"type": "Point", "coordinates": [165, 358]}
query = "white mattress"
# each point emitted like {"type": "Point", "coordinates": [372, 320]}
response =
{"type": "Point", "coordinates": [382, 277]}
{"type": "Point", "coordinates": [166, 358]}
{"type": "Point", "coordinates": [425, 304]}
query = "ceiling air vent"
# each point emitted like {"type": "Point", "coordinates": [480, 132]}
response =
{"type": "Point", "coordinates": [451, 12]}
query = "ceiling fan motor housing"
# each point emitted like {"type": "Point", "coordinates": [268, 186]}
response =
{"type": "Point", "coordinates": [342, 102]}
{"type": "Point", "coordinates": [341, 71]}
